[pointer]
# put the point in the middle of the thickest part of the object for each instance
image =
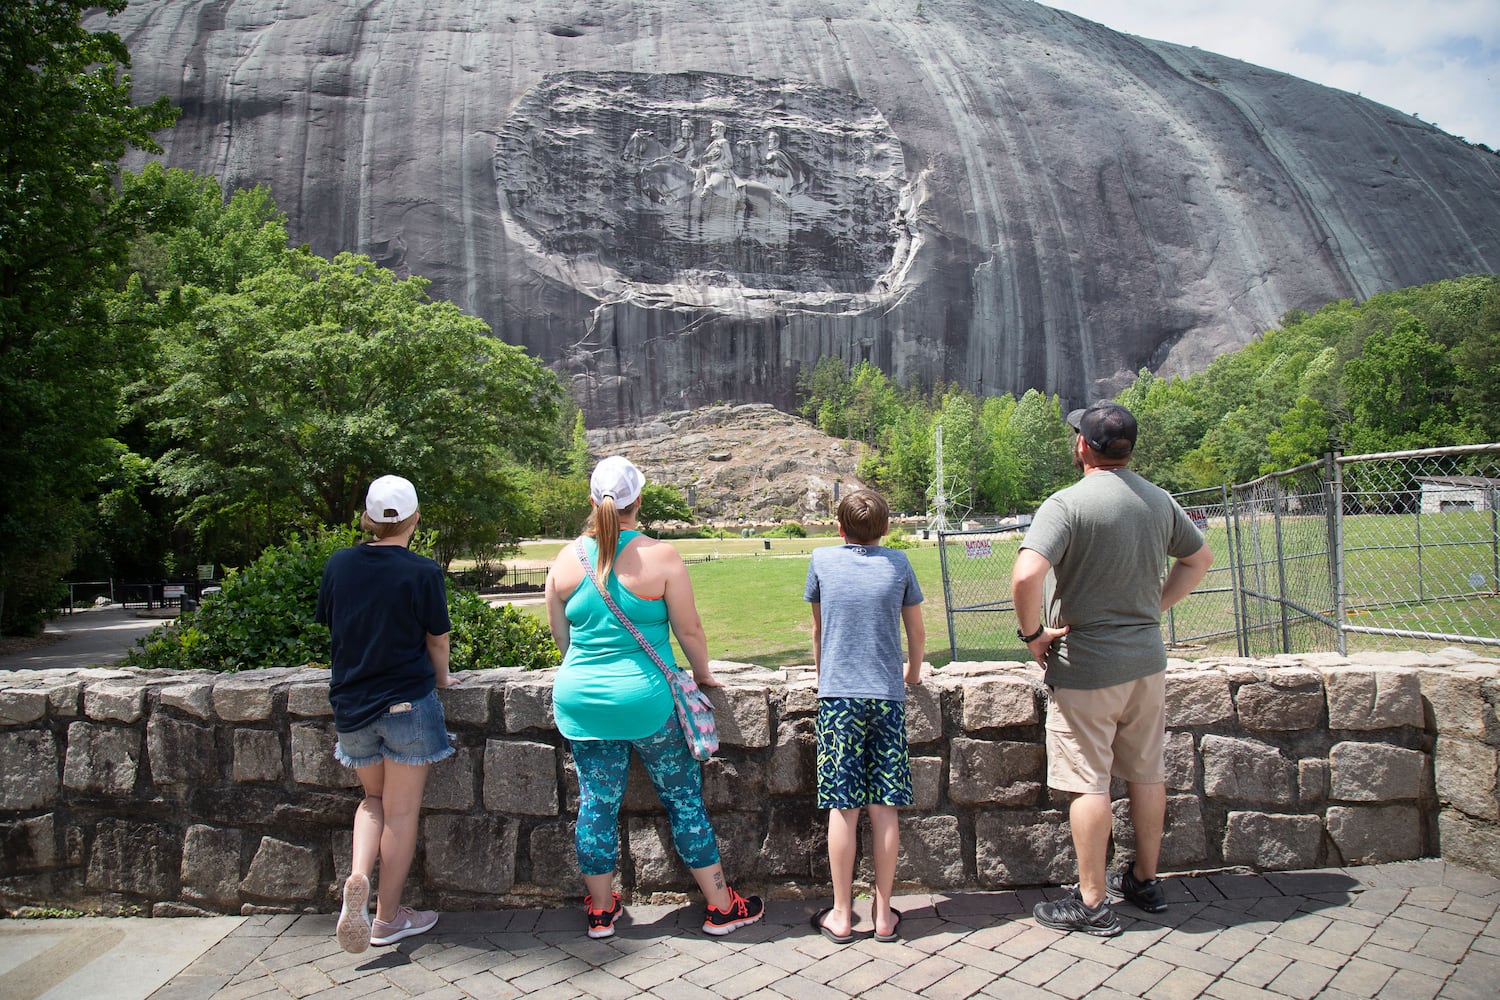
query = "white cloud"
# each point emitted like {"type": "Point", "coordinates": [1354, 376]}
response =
{"type": "Point", "coordinates": [1438, 59]}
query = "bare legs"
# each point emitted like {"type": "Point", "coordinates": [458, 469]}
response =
{"type": "Point", "coordinates": [843, 833]}
{"type": "Point", "coordinates": [385, 827]}
{"type": "Point", "coordinates": [1091, 820]}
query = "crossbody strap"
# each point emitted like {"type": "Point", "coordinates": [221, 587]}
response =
{"type": "Point", "coordinates": [588, 571]}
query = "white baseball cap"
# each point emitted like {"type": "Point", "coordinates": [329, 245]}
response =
{"type": "Point", "coordinates": [618, 478]}
{"type": "Point", "coordinates": [390, 499]}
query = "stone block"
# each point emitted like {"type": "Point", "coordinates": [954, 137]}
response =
{"type": "Point", "coordinates": [1457, 700]}
{"type": "Point", "coordinates": [1469, 843]}
{"type": "Point", "coordinates": [22, 706]}
{"type": "Point", "coordinates": [554, 858]}
{"type": "Point", "coordinates": [924, 714]}
{"type": "Point", "coordinates": [101, 760]}
{"type": "Point", "coordinates": [466, 705]}
{"type": "Point", "coordinates": [283, 871]}
{"type": "Point", "coordinates": [450, 782]}
{"type": "Point", "coordinates": [1270, 842]}
{"type": "Point", "coordinates": [248, 696]}
{"type": "Point", "coordinates": [999, 703]}
{"type": "Point", "coordinates": [1022, 848]}
{"type": "Point", "coordinates": [28, 769]}
{"type": "Point", "coordinates": [528, 704]}
{"type": "Point", "coordinates": [1198, 698]}
{"type": "Point", "coordinates": [743, 716]}
{"type": "Point", "coordinates": [739, 838]}
{"type": "Point", "coordinates": [257, 756]}
{"type": "Point", "coordinates": [926, 783]}
{"type": "Point", "coordinates": [181, 752]}
{"type": "Point", "coordinates": [726, 779]}
{"type": "Point", "coordinates": [1372, 835]}
{"type": "Point", "coordinates": [115, 701]}
{"type": "Point", "coordinates": [193, 698]}
{"type": "Point", "coordinates": [139, 858]}
{"type": "Point", "coordinates": [211, 865]}
{"type": "Point", "coordinates": [800, 697]}
{"type": "Point", "coordinates": [931, 853]}
{"type": "Point", "coordinates": [308, 699]}
{"type": "Point", "coordinates": [984, 772]}
{"type": "Point", "coordinates": [1181, 759]}
{"type": "Point", "coordinates": [792, 767]}
{"type": "Point", "coordinates": [796, 841]}
{"type": "Point", "coordinates": [65, 699]}
{"type": "Point", "coordinates": [1184, 842]}
{"type": "Point", "coordinates": [28, 845]}
{"type": "Point", "coordinates": [1363, 700]}
{"type": "Point", "coordinates": [313, 762]}
{"type": "Point", "coordinates": [520, 777]}
{"type": "Point", "coordinates": [1466, 773]}
{"type": "Point", "coordinates": [1272, 707]}
{"type": "Point", "coordinates": [1374, 772]}
{"type": "Point", "coordinates": [1246, 771]}
{"type": "Point", "coordinates": [472, 853]}
{"type": "Point", "coordinates": [657, 866]}
{"type": "Point", "coordinates": [1312, 781]}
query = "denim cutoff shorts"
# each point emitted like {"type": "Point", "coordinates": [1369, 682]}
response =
{"type": "Point", "coordinates": [410, 732]}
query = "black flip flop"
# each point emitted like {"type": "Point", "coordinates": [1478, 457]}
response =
{"type": "Point", "coordinates": [820, 927]}
{"type": "Point", "coordinates": [895, 934]}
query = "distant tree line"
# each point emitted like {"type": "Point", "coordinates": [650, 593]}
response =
{"type": "Point", "coordinates": [1416, 368]}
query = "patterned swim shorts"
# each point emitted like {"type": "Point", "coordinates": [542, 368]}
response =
{"type": "Point", "coordinates": [862, 755]}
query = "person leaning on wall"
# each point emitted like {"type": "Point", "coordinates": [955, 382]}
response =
{"type": "Point", "coordinates": [386, 609]}
{"type": "Point", "coordinates": [610, 699]}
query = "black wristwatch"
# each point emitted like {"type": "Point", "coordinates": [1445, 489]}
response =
{"type": "Point", "coordinates": [1029, 639]}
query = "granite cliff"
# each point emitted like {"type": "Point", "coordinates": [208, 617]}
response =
{"type": "Point", "coordinates": [683, 201]}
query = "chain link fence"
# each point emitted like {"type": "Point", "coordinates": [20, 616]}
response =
{"type": "Point", "coordinates": [1397, 550]}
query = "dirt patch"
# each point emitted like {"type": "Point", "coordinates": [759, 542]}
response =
{"type": "Point", "coordinates": [14, 645]}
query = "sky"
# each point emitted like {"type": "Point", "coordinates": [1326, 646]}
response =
{"type": "Point", "coordinates": [1437, 59]}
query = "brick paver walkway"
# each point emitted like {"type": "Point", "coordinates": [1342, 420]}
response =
{"type": "Point", "coordinates": [1408, 931]}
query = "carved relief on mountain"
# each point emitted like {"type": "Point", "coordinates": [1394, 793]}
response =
{"type": "Point", "coordinates": [705, 178]}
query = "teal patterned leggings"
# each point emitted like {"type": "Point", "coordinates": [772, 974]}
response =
{"type": "Point", "coordinates": [603, 767]}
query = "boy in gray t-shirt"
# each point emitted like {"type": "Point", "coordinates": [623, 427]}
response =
{"type": "Point", "coordinates": [862, 595]}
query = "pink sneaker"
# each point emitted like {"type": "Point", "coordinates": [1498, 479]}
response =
{"type": "Point", "coordinates": [408, 922]}
{"type": "Point", "coordinates": [353, 929]}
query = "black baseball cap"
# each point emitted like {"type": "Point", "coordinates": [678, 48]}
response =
{"type": "Point", "coordinates": [1108, 428]}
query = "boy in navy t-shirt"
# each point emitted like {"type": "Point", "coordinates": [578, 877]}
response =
{"type": "Point", "coordinates": [862, 595]}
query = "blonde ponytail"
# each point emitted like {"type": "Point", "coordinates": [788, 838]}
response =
{"type": "Point", "coordinates": [604, 526]}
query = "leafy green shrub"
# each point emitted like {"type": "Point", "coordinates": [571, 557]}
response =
{"type": "Point", "coordinates": [899, 539]}
{"type": "Point", "coordinates": [484, 637]}
{"type": "Point", "coordinates": [790, 529]}
{"type": "Point", "coordinates": [264, 618]}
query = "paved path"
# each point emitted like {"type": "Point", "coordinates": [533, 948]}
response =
{"type": "Point", "coordinates": [1409, 931]}
{"type": "Point", "coordinates": [91, 638]}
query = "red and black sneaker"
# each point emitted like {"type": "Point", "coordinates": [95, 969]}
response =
{"type": "Point", "coordinates": [741, 912]}
{"type": "Point", "coordinates": [602, 922]}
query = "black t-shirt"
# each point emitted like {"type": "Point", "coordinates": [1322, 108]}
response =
{"type": "Point", "coordinates": [380, 602]}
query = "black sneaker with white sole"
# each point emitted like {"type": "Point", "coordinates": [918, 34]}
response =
{"type": "Point", "coordinates": [742, 910]}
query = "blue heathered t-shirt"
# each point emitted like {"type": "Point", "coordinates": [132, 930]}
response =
{"type": "Point", "coordinates": [861, 590]}
{"type": "Point", "coordinates": [379, 603]}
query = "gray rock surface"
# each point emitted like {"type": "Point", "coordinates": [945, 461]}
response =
{"type": "Point", "coordinates": [986, 191]}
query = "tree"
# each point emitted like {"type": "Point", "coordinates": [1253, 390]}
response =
{"type": "Point", "coordinates": [661, 502]}
{"type": "Point", "coordinates": [65, 122]}
{"type": "Point", "coordinates": [280, 401]}
{"type": "Point", "coordinates": [1046, 446]}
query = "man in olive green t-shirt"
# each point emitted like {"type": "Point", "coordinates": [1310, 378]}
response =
{"type": "Point", "coordinates": [1092, 560]}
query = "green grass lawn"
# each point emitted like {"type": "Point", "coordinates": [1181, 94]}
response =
{"type": "Point", "coordinates": [750, 598]}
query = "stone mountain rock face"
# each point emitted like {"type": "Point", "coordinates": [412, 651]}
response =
{"type": "Point", "coordinates": [683, 201]}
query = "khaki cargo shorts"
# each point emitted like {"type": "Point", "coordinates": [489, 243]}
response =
{"type": "Point", "coordinates": [1118, 730]}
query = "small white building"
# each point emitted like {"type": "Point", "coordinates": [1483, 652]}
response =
{"type": "Point", "coordinates": [1445, 493]}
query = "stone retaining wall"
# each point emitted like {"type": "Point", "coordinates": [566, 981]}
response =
{"type": "Point", "coordinates": [137, 791]}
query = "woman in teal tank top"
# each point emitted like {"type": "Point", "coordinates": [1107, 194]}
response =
{"type": "Point", "coordinates": [610, 698]}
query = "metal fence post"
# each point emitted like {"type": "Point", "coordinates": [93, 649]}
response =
{"type": "Point", "coordinates": [1335, 480]}
{"type": "Point", "coordinates": [1282, 597]}
{"type": "Point", "coordinates": [947, 595]}
{"type": "Point", "coordinates": [1236, 592]}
